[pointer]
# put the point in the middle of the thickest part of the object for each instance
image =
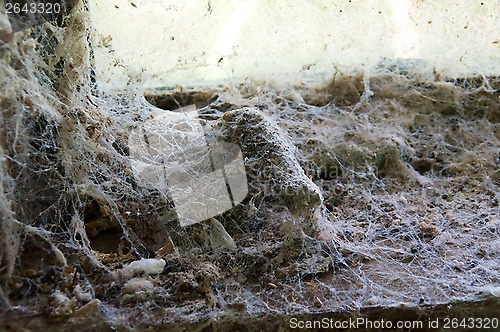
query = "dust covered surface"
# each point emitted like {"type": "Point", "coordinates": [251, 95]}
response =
{"type": "Point", "coordinates": [373, 194]}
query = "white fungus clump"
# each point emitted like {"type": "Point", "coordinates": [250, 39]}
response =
{"type": "Point", "coordinates": [146, 265]}
{"type": "Point", "coordinates": [137, 285]}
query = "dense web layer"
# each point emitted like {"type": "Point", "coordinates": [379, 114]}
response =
{"type": "Point", "coordinates": [376, 188]}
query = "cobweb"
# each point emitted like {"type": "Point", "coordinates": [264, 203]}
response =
{"type": "Point", "coordinates": [376, 188]}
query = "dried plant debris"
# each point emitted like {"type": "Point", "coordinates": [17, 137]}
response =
{"type": "Point", "coordinates": [376, 190]}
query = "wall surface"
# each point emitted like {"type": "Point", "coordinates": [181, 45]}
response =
{"type": "Point", "coordinates": [214, 41]}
